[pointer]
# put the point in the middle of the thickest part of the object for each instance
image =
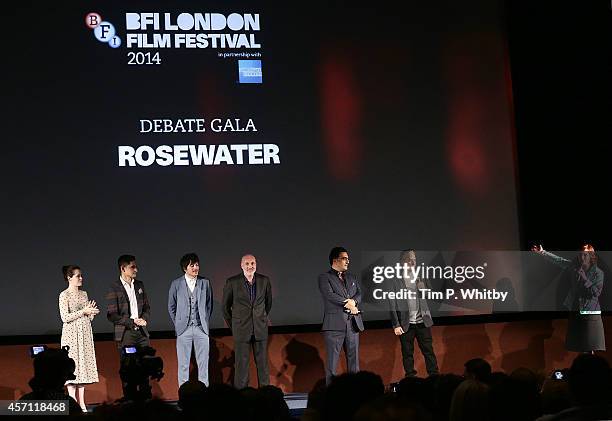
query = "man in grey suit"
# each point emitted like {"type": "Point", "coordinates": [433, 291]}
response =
{"type": "Point", "coordinates": [342, 319]}
{"type": "Point", "coordinates": [411, 318]}
{"type": "Point", "coordinates": [247, 301]}
{"type": "Point", "coordinates": [190, 307]}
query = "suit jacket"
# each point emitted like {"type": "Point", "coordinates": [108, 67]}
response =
{"type": "Point", "coordinates": [178, 303]}
{"type": "Point", "coordinates": [334, 292]}
{"type": "Point", "coordinates": [399, 311]}
{"type": "Point", "coordinates": [242, 316]}
{"type": "Point", "coordinates": [118, 307]}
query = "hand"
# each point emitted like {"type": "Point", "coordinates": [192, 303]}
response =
{"type": "Point", "coordinates": [354, 310]}
{"type": "Point", "coordinates": [398, 331]}
{"type": "Point", "coordinates": [88, 310]}
{"type": "Point", "coordinates": [582, 274]}
{"type": "Point", "coordinates": [537, 248]}
{"type": "Point", "coordinates": [140, 322]}
{"type": "Point", "coordinates": [348, 303]}
{"type": "Point", "coordinates": [93, 304]}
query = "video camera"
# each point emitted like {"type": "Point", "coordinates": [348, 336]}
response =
{"type": "Point", "coordinates": [138, 366]}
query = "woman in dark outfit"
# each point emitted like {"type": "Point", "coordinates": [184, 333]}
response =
{"type": "Point", "coordinates": [585, 332]}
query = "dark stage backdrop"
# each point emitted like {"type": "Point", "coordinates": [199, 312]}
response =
{"type": "Point", "coordinates": [382, 128]}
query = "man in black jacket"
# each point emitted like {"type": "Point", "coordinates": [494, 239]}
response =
{"type": "Point", "coordinates": [411, 318]}
{"type": "Point", "coordinates": [247, 300]}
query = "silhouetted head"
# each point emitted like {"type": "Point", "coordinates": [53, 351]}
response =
{"type": "Point", "coordinates": [477, 369]}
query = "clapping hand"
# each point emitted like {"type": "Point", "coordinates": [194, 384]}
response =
{"type": "Point", "coordinates": [91, 309]}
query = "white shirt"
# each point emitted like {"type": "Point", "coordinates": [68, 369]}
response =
{"type": "Point", "coordinates": [129, 288]}
{"type": "Point", "coordinates": [191, 282]}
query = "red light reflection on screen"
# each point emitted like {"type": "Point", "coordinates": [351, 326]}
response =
{"type": "Point", "coordinates": [467, 126]}
{"type": "Point", "coordinates": [341, 113]}
{"type": "Point", "coordinates": [467, 158]}
{"type": "Point", "coordinates": [479, 147]}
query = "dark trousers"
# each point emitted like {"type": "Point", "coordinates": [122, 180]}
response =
{"type": "Point", "coordinates": [335, 341]}
{"type": "Point", "coordinates": [138, 339]}
{"type": "Point", "coordinates": [425, 341]}
{"type": "Point", "coordinates": [242, 353]}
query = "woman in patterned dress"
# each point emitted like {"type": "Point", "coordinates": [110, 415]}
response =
{"type": "Point", "coordinates": [77, 312]}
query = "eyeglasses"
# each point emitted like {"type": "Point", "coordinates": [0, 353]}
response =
{"type": "Point", "coordinates": [345, 259]}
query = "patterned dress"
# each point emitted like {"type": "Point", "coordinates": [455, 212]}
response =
{"type": "Point", "coordinates": [77, 334]}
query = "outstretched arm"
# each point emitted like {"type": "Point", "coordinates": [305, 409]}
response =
{"type": "Point", "coordinates": [557, 260]}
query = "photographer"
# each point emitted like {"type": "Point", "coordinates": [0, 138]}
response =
{"type": "Point", "coordinates": [52, 369]}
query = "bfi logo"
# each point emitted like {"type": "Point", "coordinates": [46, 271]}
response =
{"type": "Point", "coordinates": [103, 31]}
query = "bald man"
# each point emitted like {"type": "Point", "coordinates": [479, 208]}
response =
{"type": "Point", "coordinates": [247, 300]}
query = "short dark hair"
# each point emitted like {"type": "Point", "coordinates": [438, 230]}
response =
{"type": "Point", "coordinates": [68, 271]}
{"type": "Point", "coordinates": [335, 253]}
{"type": "Point", "coordinates": [590, 380]}
{"type": "Point", "coordinates": [188, 259]}
{"type": "Point", "coordinates": [124, 260]}
{"type": "Point", "coordinates": [479, 369]}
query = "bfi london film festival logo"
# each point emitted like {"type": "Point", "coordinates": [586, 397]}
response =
{"type": "Point", "coordinates": [103, 31]}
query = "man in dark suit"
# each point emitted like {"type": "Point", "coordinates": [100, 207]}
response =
{"type": "Point", "coordinates": [128, 308]}
{"type": "Point", "coordinates": [342, 319]}
{"type": "Point", "coordinates": [247, 300]}
{"type": "Point", "coordinates": [411, 318]}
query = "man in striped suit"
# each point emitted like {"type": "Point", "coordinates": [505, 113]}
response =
{"type": "Point", "coordinates": [128, 308]}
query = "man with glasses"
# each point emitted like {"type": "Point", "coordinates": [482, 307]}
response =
{"type": "Point", "coordinates": [341, 319]}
